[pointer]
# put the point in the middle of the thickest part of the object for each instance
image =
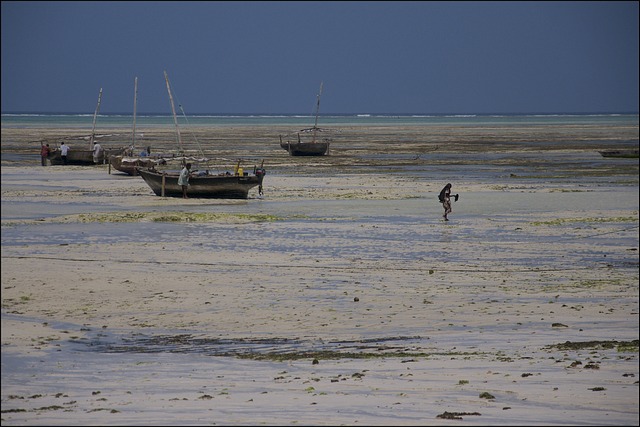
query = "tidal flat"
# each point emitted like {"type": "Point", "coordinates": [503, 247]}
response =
{"type": "Point", "coordinates": [339, 297]}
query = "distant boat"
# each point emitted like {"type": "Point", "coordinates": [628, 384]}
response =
{"type": "Point", "coordinates": [82, 157]}
{"type": "Point", "coordinates": [300, 147]}
{"type": "Point", "coordinates": [631, 153]}
{"type": "Point", "coordinates": [202, 184]}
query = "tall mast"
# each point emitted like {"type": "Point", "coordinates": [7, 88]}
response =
{"type": "Point", "coordinates": [315, 126]}
{"type": "Point", "coordinates": [135, 102]}
{"type": "Point", "coordinates": [173, 110]}
{"type": "Point", "coordinates": [95, 114]}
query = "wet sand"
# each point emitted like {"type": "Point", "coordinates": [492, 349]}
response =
{"type": "Point", "coordinates": [340, 297]}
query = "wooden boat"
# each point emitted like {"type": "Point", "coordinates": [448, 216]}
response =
{"type": "Point", "coordinates": [300, 147]}
{"type": "Point", "coordinates": [83, 157]}
{"type": "Point", "coordinates": [74, 157]}
{"type": "Point", "coordinates": [202, 184]}
{"type": "Point", "coordinates": [631, 153]}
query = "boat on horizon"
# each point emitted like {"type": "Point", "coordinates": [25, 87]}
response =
{"type": "Point", "coordinates": [302, 147]}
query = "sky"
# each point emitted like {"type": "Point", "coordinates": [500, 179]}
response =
{"type": "Point", "coordinates": [242, 57]}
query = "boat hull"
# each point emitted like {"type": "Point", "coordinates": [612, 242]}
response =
{"type": "Point", "coordinates": [306, 148]}
{"type": "Point", "coordinates": [74, 157]}
{"type": "Point", "coordinates": [81, 157]}
{"type": "Point", "coordinates": [201, 186]}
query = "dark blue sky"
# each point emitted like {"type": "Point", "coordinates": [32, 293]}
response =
{"type": "Point", "coordinates": [270, 57]}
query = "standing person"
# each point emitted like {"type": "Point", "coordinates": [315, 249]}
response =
{"type": "Point", "coordinates": [64, 150]}
{"type": "Point", "coordinates": [44, 154]}
{"type": "Point", "coordinates": [445, 199]}
{"type": "Point", "coordinates": [97, 150]}
{"type": "Point", "coordinates": [183, 180]}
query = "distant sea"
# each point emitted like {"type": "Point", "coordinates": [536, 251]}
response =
{"type": "Point", "coordinates": [48, 120]}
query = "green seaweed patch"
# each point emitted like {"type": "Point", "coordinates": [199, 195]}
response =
{"type": "Point", "coordinates": [335, 355]}
{"type": "Point", "coordinates": [10, 411]}
{"type": "Point", "coordinates": [455, 415]}
{"type": "Point", "coordinates": [112, 411]}
{"type": "Point", "coordinates": [561, 221]}
{"type": "Point", "coordinates": [44, 408]}
{"type": "Point", "coordinates": [621, 346]}
{"type": "Point", "coordinates": [113, 217]}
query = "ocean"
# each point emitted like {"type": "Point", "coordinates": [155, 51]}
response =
{"type": "Point", "coordinates": [48, 120]}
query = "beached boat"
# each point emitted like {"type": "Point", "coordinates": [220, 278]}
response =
{"type": "Point", "coordinates": [304, 148]}
{"type": "Point", "coordinates": [83, 157]}
{"type": "Point", "coordinates": [632, 154]}
{"type": "Point", "coordinates": [301, 145]}
{"type": "Point", "coordinates": [202, 183]}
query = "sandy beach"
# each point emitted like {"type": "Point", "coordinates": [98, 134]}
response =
{"type": "Point", "coordinates": [340, 296]}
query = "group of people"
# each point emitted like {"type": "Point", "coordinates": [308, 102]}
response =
{"type": "Point", "coordinates": [45, 153]}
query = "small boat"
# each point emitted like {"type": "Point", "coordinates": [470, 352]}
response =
{"type": "Point", "coordinates": [306, 148]}
{"type": "Point", "coordinates": [74, 157]}
{"type": "Point", "coordinates": [631, 153]}
{"type": "Point", "coordinates": [300, 147]}
{"type": "Point", "coordinates": [202, 184]}
{"type": "Point", "coordinates": [83, 157]}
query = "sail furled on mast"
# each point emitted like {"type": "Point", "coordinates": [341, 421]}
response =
{"type": "Point", "coordinates": [315, 125]}
{"type": "Point", "coordinates": [95, 115]}
{"type": "Point", "coordinates": [173, 110]}
{"type": "Point", "coordinates": [135, 102]}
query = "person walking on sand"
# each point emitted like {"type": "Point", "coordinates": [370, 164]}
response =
{"type": "Point", "coordinates": [97, 150]}
{"type": "Point", "coordinates": [445, 199]}
{"type": "Point", "coordinates": [44, 154]}
{"type": "Point", "coordinates": [183, 179]}
{"type": "Point", "coordinates": [64, 150]}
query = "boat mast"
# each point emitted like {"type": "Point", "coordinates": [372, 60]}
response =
{"type": "Point", "coordinates": [135, 101]}
{"type": "Point", "coordinates": [315, 126]}
{"type": "Point", "coordinates": [95, 114]}
{"type": "Point", "coordinates": [173, 110]}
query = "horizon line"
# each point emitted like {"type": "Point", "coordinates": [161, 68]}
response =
{"type": "Point", "coordinates": [359, 114]}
